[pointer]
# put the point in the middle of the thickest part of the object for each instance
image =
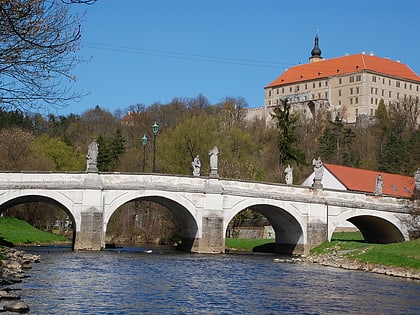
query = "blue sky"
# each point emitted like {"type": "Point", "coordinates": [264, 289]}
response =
{"type": "Point", "coordinates": [153, 51]}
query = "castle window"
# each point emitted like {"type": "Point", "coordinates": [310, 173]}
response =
{"type": "Point", "coordinates": [397, 83]}
{"type": "Point", "coordinates": [358, 77]}
{"type": "Point", "coordinates": [351, 91]}
{"type": "Point", "coordinates": [306, 86]}
{"type": "Point", "coordinates": [326, 83]}
{"type": "Point", "coordinates": [339, 81]}
{"type": "Point", "coordinates": [389, 94]}
{"type": "Point", "coordinates": [389, 82]}
{"type": "Point", "coordinates": [351, 79]}
{"type": "Point", "coordinates": [269, 93]}
{"type": "Point", "coordinates": [356, 100]}
{"type": "Point", "coordinates": [371, 100]}
{"type": "Point", "coordinates": [351, 101]}
{"type": "Point", "coordinates": [278, 91]}
{"type": "Point", "coordinates": [374, 78]}
{"type": "Point", "coordinates": [290, 89]}
{"type": "Point", "coordinates": [383, 92]}
{"type": "Point", "coordinates": [313, 85]}
{"type": "Point", "coordinates": [339, 92]}
{"type": "Point", "coordinates": [319, 84]}
{"type": "Point", "coordinates": [371, 112]}
{"type": "Point", "coordinates": [357, 112]}
{"type": "Point", "coordinates": [282, 90]}
{"type": "Point", "coordinates": [357, 90]}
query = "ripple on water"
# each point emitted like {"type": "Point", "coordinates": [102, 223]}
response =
{"type": "Point", "coordinates": [133, 282]}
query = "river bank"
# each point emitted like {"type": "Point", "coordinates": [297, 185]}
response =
{"type": "Point", "coordinates": [338, 260]}
{"type": "Point", "coordinates": [13, 264]}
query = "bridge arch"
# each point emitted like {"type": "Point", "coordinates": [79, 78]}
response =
{"type": "Point", "coordinates": [375, 228]}
{"type": "Point", "coordinates": [182, 209]}
{"type": "Point", "coordinates": [57, 200]}
{"type": "Point", "coordinates": [286, 221]}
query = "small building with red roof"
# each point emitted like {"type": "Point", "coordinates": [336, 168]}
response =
{"type": "Point", "coordinates": [341, 177]}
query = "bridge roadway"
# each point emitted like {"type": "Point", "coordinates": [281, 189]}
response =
{"type": "Point", "coordinates": [302, 217]}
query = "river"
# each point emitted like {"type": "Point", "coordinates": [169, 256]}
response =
{"type": "Point", "coordinates": [131, 281]}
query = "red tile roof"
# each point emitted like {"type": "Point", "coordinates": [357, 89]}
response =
{"type": "Point", "coordinates": [365, 180]}
{"type": "Point", "coordinates": [345, 65]}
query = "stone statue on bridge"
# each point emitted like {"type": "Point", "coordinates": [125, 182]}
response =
{"type": "Point", "coordinates": [92, 157]}
{"type": "Point", "coordinates": [318, 173]}
{"type": "Point", "coordinates": [379, 185]}
{"type": "Point", "coordinates": [417, 179]}
{"type": "Point", "coordinates": [196, 164]}
{"type": "Point", "coordinates": [289, 175]}
{"type": "Point", "coordinates": [214, 170]}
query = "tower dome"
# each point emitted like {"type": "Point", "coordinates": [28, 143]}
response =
{"type": "Point", "coordinates": [316, 52]}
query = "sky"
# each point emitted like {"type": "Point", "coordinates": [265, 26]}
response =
{"type": "Point", "coordinates": [145, 52]}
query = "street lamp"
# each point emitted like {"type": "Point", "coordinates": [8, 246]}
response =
{"type": "Point", "coordinates": [144, 142]}
{"type": "Point", "coordinates": [155, 129]}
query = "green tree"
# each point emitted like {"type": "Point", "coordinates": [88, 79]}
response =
{"type": "Point", "coordinates": [176, 147]}
{"type": "Point", "coordinates": [110, 150]}
{"type": "Point", "coordinates": [382, 114]}
{"type": "Point", "coordinates": [336, 144]}
{"type": "Point", "coordinates": [286, 123]}
{"type": "Point", "coordinates": [62, 156]}
{"type": "Point", "coordinates": [390, 159]}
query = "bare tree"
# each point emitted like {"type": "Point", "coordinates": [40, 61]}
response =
{"type": "Point", "coordinates": [38, 44]}
{"type": "Point", "coordinates": [89, 2]}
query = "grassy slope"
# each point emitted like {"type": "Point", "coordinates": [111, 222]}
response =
{"type": "Point", "coordinates": [21, 232]}
{"type": "Point", "coordinates": [406, 254]}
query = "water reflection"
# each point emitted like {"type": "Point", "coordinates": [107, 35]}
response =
{"type": "Point", "coordinates": [162, 282]}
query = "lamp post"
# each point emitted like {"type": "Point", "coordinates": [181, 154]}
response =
{"type": "Point", "coordinates": [144, 142]}
{"type": "Point", "coordinates": [155, 129]}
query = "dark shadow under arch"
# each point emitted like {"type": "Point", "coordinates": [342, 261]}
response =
{"type": "Point", "coordinates": [377, 230]}
{"type": "Point", "coordinates": [37, 198]}
{"type": "Point", "coordinates": [289, 234]}
{"type": "Point", "coordinates": [185, 220]}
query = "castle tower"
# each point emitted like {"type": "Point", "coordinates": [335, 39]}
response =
{"type": "Point", "coordinates": [316, 52]}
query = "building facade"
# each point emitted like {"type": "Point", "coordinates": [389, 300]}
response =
{"type": "Point", "coordinates": [351, 86]}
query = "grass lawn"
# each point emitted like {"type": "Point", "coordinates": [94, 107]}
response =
{"type": "Point", "coordinates": [405, 254]}
{"type": "Point", "coordinates": [352, 245]}
{"type": "Point", "coordinates": [20, 232]}
{"type": "Point", "coordinates": [245, 244]}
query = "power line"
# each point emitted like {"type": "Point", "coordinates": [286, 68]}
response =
{"type": "Point", "coordinates": [183, 56]}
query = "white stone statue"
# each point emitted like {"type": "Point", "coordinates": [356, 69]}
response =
{"type": "Point", "coordinates": [196, 164]}
{"type": "Point", "coordinates": [213, 162]}
{"type": "Point", "coordinates": [417, 179]}
{"type": "Point", "coordinates": [379, 185]}
{"type": "Point", "coordinates": [289, 175]}
{"type": "Point", "coordinates": [318, 169]}
{"type": "Point", "coordinates": [92, 156]}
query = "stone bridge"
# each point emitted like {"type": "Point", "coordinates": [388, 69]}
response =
{"type": "Point", "coordinates": [302, 217]}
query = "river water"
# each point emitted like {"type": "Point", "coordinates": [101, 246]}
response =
{"type": "Point", "coordinates": [131, 281]}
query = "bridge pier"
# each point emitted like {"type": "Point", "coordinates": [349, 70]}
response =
{"type": "Point", "coordinates": [91, 233]}
{"type": "Point", "coordinates": [90, 236]}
